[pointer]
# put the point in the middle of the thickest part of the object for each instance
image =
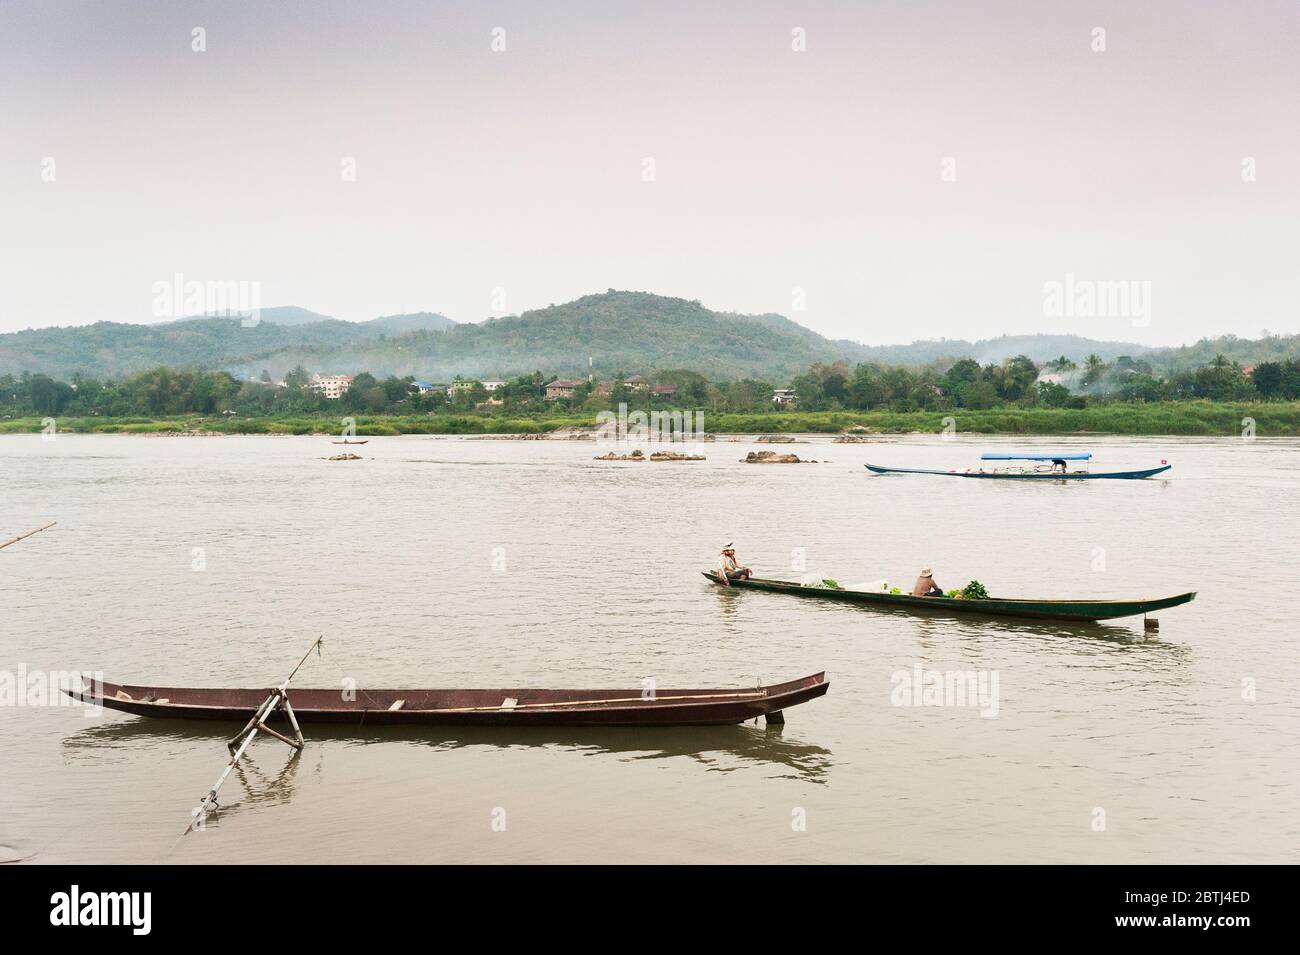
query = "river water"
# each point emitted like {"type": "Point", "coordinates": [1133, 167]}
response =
{"type": "Point", "coordinates": [451, 562]}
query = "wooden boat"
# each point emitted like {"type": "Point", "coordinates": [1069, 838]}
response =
{"type": "Point", "coordinates": [345, 441]}
{"type": "Point", "coordinates": [505, 707]}
{"type": "Point", "coordinates": [1041, 609]}
{"type": "Point", "coordinates": [1037, 471]}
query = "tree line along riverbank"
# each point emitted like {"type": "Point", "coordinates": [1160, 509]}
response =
{"type": "Point", "coordinates": [1188, 418]}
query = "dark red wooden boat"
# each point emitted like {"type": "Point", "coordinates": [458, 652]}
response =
{"type": "Point", "coordinates": [467, 707]}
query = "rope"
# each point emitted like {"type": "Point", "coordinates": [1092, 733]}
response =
{"type": "Point", "coordinates": [320, 652]}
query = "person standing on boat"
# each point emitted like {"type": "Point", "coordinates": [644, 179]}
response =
{"type": "Point", "coordinates": [727, 566]}
{"type": "Point", "coordinates": [925, 585]}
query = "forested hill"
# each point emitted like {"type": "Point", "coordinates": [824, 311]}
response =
{"type": "Point", "coordinates": [641, 332]}
{"type": "Point", "coordinates": [621, 331]}
{"type": "Point", "coordinates": [111, 349]}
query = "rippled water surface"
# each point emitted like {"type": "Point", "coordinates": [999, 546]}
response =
{"type": "Point", "coordinates": [449, 562]}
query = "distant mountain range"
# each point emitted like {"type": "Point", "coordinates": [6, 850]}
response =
{"type": "Point", "coordinates": [109, 349]}
{"type": "Point", "coordinates": [620, 331]}
{"type": "Point", "coordinates": [289, 315]}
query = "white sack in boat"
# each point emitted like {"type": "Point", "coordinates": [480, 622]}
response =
{"type": "Point", "coordinates": [872, 586]}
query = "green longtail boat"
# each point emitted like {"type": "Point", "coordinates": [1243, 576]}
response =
{"type": "Point", "coordinates": [1077, 610]}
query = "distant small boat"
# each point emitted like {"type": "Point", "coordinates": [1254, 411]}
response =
{"type": "Point", "coordinates": [1057, 469]}
{"type": "Point", "coordinates": [508, 707]}
{"type": "Point", "coordinates": [345, 441]}
{"type": "Point", "coordinates": [996, 607]}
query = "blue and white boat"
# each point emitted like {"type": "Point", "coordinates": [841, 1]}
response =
{"type": "Point", "coordinates": [1041, 467]}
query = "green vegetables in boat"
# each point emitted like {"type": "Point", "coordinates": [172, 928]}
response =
{"type": "Point", "coordinates": [972, 591]}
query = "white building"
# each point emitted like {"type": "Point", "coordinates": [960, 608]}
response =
{"type": "Point", "coordinates": [492, 384]}
{"type": "Point", "coordinates": [331, 386]}
{"type": "Point", "coordinates": [784, 397]}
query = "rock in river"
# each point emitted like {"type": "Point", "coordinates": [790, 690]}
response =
{"type": "Point", "coordinates": [773, 457]}
{"type": "Point", "coordinates": [636, 455]}
{"type": "Point", "coordinates": [675, 456]}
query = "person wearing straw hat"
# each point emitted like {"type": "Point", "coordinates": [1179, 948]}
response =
{"type": "Point", "coordinates": [925, 585]}
{"type": "Point", "coordinates": [728, 569]}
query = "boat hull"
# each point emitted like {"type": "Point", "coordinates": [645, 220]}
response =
{"type": "Point", "coordinates": [1034, 476]}
{"type": "Point", "coordinates": [1076, 610]}
{"type": "Point", "coordinates": [712, 707]}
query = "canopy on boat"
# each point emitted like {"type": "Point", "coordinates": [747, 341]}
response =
{"type": "Point", "coordinates": [1036, 457]}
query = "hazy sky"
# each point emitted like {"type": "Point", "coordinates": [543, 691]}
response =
{"type": "Point", "coordinates": [774, 170]}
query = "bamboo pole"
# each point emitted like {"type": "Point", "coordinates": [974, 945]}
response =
{"type": "Point", "coordinates": [293, 721]}
{"type": "Point", "coordinates": [315, 643]}
{"type": "Point", "coordinates": [280, 736]}
{"type": "Point", "coordinates": [261, 713]}
{"type": "Point", "coordinates": [28, 534]}
{"type": "Point", "coordinates": [745, 695]}
{"type": "Point", "coordinates": [245, 736]}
